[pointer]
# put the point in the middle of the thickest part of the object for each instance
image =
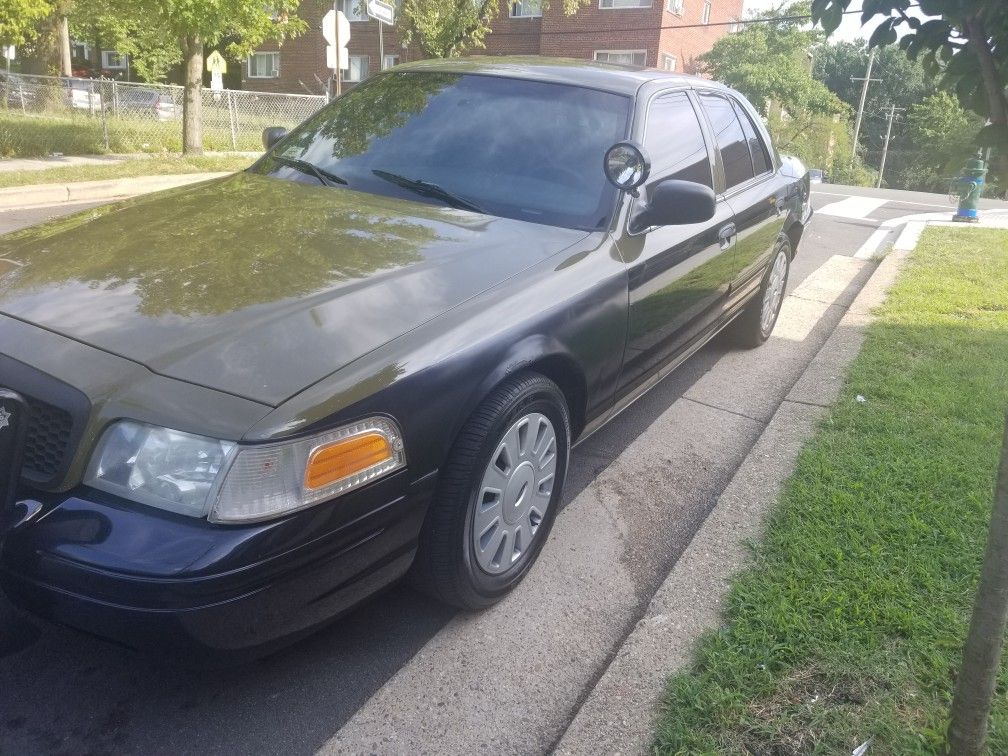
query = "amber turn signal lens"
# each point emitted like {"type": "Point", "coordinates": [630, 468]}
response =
{"type": "Point", "coordinates": [339, 460]}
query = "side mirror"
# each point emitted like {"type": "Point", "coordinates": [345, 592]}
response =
{"type": "Point", "coordinates": [272, 135]}
{"type": "Point", "coordinates": [676, 203]}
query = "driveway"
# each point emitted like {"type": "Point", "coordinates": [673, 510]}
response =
{"type": "Point", "coordinates": [404, 674]}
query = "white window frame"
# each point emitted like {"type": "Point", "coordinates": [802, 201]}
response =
{"type": "Point", "coordinates": [385, 61]}
{"type": "Point", "coordinates": [105, 60]}
{"type": "Point", "coordinates": [665, 58]}
{"type": "Point", "coordinates": [346, 71]}
{"type": "Point", "coordinates": [595, 55]}
{"type": "Point", "coordinates": [705, 14]}
{"type": "Point", "coordinates": [675, 7]}
{"type": "Point", "coordinates": [602, 6]}
{"type": "Point", "coordinates": [354, 10]}
{"type": "Point", "coordinates": [734, 26]}
{"type": "Point", "coordinates": [85, 50]}
{"type": "Point", "coordinates": [526, 9]}
{"type": "Point", "coordinates": [274, 70]}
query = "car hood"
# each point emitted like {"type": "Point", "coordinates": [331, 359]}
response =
{"type": "Point", "coordinates": [254, 285]}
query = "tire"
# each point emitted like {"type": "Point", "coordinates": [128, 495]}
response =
{"type": "Point", "coordinates": [449, 564]}
{"type": "Point", "coordinates": [754, 326]}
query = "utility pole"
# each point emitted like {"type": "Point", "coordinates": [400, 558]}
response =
{"type": "Point", "coordinates": [860, 109]}
{"type": "Point", "coordinates": [885, 147]}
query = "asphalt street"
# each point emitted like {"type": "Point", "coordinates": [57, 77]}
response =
{"type": "Point", "coordinates": [402, 673]}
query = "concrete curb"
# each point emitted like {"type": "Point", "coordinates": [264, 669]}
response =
{"type": "Point", "coordinates": [617, 715]}
{"type": "Point", "coordinates": [52, 194]}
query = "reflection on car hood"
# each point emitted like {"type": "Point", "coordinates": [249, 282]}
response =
{"type": "Point", "coordinates": [254, 285]}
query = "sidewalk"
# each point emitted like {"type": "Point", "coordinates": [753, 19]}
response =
{"type": "Point", "coordinates": [24, 197]}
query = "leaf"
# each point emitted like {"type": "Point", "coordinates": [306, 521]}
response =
{"type": "Point", "coordinates": [884, 34]}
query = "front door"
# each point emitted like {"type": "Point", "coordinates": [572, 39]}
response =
{"type": "Point", "coordinates": [678, 275]}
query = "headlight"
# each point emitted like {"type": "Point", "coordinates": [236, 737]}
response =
{"type": "Point", "coordinates": [232, 483]}
{"type": "Point", "coordinates": [160, 467]}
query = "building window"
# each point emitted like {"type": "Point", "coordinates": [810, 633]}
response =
{"type": "Point", "coordinates": [734, 26]}
{"type": "Point", "coordinates": [80, 50]}
{"type": "Point", "coordinates": [675, 6]}
{"type": "Point", "coordinates": [389, 60]}
{"type": "Point", "coordinates": [354, 10]}
{"type": "Point", "coordinates": [112, 59]}
{"type": "Point", "coordinates": [705, 18]}
{"type": "Point", "coordinates": [526, 9]}
{"type": "Point", "coordinates": [669, 62]}
{"type": "Point", "coordinates": [622, 57]}
{"type": "Point", "coordinates": [358, 70]}
{"type": "Point", "coordinates": [624, 4]}
{"type": "Point", "coordinates": [264, 65]}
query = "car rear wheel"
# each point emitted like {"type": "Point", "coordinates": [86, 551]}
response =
{"type": "Point", "coordinates": [497, 495]}
{"type": "Point", "coordinates": [757, 321]}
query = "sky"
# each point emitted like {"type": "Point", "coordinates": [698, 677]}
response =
{"type": "Point", "coordinates": [850, 28]}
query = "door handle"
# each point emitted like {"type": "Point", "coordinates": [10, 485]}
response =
{"type": "Point", "coordinates": [725, 234]}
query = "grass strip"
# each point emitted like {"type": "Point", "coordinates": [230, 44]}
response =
{"type": "Point", "coordinates": [850, 623]}
{"type": "Point", "coordinates": [125, 169]}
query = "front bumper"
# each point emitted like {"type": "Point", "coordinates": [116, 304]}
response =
{"type": "Point", "coordinates": [156, 581]}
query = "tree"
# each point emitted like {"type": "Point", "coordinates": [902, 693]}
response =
{"type": "Point", "coordinates": [966, 43]}
{"type": "Point", "coordinates": [102, 25]}
{"type": "Point", "coordinates": [769, 64]}
{"type": "Point", "coordinates": [192, 24]}
{"type": "Point", "coordinates": [447, 28]}
{"type": "Point", "coordinates": [19, 19]}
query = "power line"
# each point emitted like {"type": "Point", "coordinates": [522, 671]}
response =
{"type": "Point", "coordinates": [739, 22]}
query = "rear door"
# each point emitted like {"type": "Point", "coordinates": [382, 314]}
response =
{"type": "Point", "coordinates": [678, 275]}
{"type": "Point", "coordinates": [752, 187]}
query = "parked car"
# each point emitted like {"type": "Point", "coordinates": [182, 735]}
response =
{"type": "Point", "coordinates": [231, 411]}
{"type": "Point", "coordinates": [82, 94]}
{"type": "Point", "coordinates": [143, 102]}
{"type": "Point", "coordinates": [18, 92]}
{"type": "Point", "coordinates": [817, 176]}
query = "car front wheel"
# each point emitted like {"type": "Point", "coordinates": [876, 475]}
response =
{"type": "Point", "coordinates": [497, 495]}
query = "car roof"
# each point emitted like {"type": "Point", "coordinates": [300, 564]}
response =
{"type": "Point", "coordinates": [575, 72]}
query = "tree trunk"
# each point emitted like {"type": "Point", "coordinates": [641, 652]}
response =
{"type": "Point", "coordinates": [192, 100]}
{"type": "Point", "coordinates": [997, 101]}
{"type": "Point", "coordinates": [982, 654]}
{"type": "Point", "coordinates": [64, 45]}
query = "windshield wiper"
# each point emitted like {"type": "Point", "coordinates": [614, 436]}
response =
{"type": "Point", "coordinates": [324, 176]}
{"type": "Point", "coordinates": [429, 189]}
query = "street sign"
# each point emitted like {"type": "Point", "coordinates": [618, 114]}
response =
{"type": "Point", "coordinates": [381, 11]}
{"type": "Point", "coordinates": [329, 21]}
{"type": "Point", "coordinates": [216, 64]}
{"type": "Point", "coordinates": [330, 58]}
{"type": "Point", "coordinates": [8, 52]}
{"type": "Point", "coordinates": [336, 28]}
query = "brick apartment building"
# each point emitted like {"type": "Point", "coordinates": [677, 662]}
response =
{"type": "Point", "coordinates": [615, 31]}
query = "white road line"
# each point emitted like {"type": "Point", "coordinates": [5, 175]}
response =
{"type": "Point", "coordinates": [852, 207]}
{"type": "Point", "coordinates": [870, 247]}
{"type": "Point", "coordinates": [888, 201]}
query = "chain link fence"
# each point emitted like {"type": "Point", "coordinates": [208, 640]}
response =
{"type": "Point", "coordinates": [42, 115]}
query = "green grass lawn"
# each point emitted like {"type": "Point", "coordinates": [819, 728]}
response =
{"type": "Point", "coordinates": [127, 168]}
{"type": "Point", "coordinates": [851, 621]}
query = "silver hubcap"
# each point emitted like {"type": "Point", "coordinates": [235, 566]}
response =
{"type": "Point", "coordinates": [774, 291]}
{"type": "Point", "coordinates": [515, 493]}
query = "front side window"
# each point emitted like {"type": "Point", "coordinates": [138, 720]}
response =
{"type": "Point", "coordinates": [495, 143]}
{"type": "Point", "coordinates": [359, 68]}
{"type": "Point", "coordinates": [264, 65]}
{"type": "Point", "coordinates": [622, 57]}
{"type": "Point", "coordinates": [624, 3]}
{"type": "Point", "coordinates": [526, 9]}
{"type": "Point", "coordinates": [674, 140]}
{"type": "Point", "coordinates": [730, 138]}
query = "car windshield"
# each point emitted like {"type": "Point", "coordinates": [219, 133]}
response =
{"type": "Point", "coordinates": [508, 147]}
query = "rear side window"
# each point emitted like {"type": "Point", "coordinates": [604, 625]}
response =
{"type": "Point", "coordinates": [675, 141]}
{"type": "Point", "coordinates": [757, 149]}
{"type": "Point", "coordinates": [730, 139]}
